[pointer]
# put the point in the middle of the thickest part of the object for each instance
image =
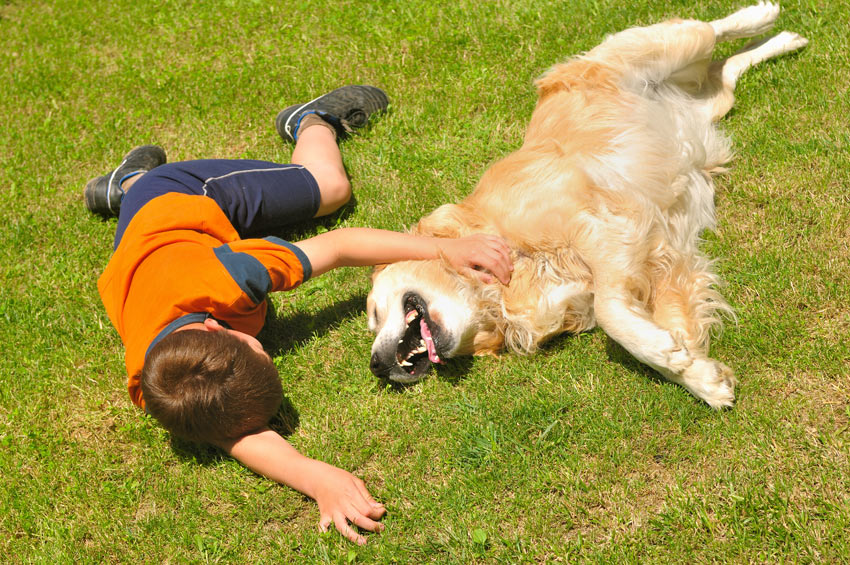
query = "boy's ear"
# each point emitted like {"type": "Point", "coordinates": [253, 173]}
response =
{"type": "Point", "coordinates": [212, 325]}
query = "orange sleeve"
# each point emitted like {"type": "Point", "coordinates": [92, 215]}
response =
{"type": "Point", "coordinates": [286, 264]}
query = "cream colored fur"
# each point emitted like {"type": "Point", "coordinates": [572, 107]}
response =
{"type": "Point", "coordinates": [603, 204]}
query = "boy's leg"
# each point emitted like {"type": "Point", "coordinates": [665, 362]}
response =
{"type": "Point", "coordinates": [339, 111]}
{"type": "Point", "coordinates": [249, 192]}
{"type": "Point", "coordinates": [127, 184]}
{"type": "Point", "coordinates": [317, 151]}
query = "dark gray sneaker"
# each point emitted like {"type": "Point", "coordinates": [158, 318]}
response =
{"type": "Point", "coordinates": [346, 108]}
{"type": "Point", "coordinates": [103, 194]}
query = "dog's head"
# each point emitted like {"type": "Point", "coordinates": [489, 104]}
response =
{"type": "Point", "coordinates": [423, 312]}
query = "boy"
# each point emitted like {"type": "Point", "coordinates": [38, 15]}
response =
{"type": "Point", "coordinates": [187, 284]}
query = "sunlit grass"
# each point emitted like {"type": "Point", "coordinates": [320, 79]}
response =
{"type": "Point", "coordinates": [576, 453]}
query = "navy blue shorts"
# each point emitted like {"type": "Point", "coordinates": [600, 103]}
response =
{"type": "Point", "coordinates": [257, 196]}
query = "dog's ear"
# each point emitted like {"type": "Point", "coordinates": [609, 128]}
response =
{"type": "Point", "coordinates": [377, 269]}
{"type": "Point", "coordinates": [488, 342]}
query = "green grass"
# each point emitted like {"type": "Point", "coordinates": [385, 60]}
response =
{"type": "Point", "coordinates": [576, 453]}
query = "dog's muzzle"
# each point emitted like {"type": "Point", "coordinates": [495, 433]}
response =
{"type": "Point", "coordinates": [408, 360]}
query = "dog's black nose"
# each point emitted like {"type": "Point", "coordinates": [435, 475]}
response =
{"type": "Point", "coordinates": [378, 368]}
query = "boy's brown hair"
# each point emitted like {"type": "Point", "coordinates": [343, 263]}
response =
{"type": "Point", "coordinates": [209, 386]}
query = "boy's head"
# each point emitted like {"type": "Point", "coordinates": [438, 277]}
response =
{"type": "Point", "coordinates": [209, 386]}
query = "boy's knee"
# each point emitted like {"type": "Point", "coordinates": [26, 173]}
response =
{"type": "Point", "coordinates": [335, 192]}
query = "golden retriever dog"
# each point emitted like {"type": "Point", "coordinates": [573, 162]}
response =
{"type": "Point", "coordinates": [603, 207]}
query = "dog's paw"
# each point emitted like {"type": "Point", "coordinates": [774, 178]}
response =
{"type": "Point", "coordinates": [788, 41]}
{"type": "Point", "coordinates": [711, 381]}
{"type": "Point", "coordinates": [747, 22]}
{"type": "Point", "coordinates": [762, 14]}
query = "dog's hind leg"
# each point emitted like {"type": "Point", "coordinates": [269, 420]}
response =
{"type": "Point", "coordinates": [746, 22]}
{"type": "Point", "coordinates": [651, 54]}
{"type": "Point", "coordinates": [718, 91]}
{"type": "Point", "coordinates": [753, 54]}
{"type": "Point", "coordinates": [667, 47]}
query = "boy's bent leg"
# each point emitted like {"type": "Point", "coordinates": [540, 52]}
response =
{"type": "Point", "coordinates": [339, 112]}
{"type": "Point", "coordinates": [317, 151]}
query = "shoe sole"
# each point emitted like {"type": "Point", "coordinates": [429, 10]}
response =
{"type": "Point", "coordinates": [353, 104]}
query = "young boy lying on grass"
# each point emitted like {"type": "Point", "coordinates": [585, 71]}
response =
{"type": "Point", "coordinates": [186, 287]}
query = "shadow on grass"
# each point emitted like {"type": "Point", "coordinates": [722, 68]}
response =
{"type": "Point", "coordinates": [282, 334]}
{"type": "Point", "coordinates": [453, 372]}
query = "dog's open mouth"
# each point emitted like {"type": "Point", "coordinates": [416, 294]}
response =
{"type": "Point", "coordinates": [417, 348]}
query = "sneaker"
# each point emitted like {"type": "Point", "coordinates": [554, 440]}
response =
{"type": "Point", "coordinates": [103, 194]}
{"type": "Point", "coordinates": [345, 108]}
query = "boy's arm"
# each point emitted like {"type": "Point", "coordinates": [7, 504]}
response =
{"type": "Point", "coordinates": [354, 247]}
{"type": "Point", "coordinates": [341, 497]}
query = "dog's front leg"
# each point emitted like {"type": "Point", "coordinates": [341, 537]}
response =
{"type": "Point", "coordinates": [626, 321]}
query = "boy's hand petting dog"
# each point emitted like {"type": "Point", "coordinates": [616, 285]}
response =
{"type": "Point", "coordinates": [485, 256]}
{"type": "Point", "coordinates": [344, 501]}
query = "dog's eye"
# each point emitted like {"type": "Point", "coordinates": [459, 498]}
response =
{"type": "Point", "coordinates": [373, 317]}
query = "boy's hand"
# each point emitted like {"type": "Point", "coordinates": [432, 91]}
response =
{"type": "Point", "coordinates": [343, 498]}
{"type": "Point", "coordinates": [480, 253]}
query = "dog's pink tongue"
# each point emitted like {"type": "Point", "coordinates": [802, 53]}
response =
{"type": "Point", "coordinates": [429, 341]}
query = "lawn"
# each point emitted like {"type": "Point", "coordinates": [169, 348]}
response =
{"type": "Point", "coordinates": [577, 453]}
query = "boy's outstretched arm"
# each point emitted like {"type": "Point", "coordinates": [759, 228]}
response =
{"type": "Point", "coordinates": [341, 497]}
{"type": "Point", "coordinates": [355, 247]}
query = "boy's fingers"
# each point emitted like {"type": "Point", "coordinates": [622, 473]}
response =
{"type": "Point", "coordinates": [500, 245]}
{"type": "Point", "coordinates": [483, 276]}
{"type": "Point", "coordinates": [376, 509]}
{"type": "Point", "coordinates": [498, 267]}
{"type": "Point", "coordinates": [365, 508]}
{"type": "Point", "coordinates": [502, 273]}
{"type": "Point", "coordinates": [370, 510]}
{"type": "Point", "coordinates": [365, 523]}
{"type": "Point", "coordinates": [346, 530]}
{"type": "Point", "coordinates": [499, 259]}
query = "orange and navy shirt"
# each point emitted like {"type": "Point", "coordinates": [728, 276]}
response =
{"type": "Point", "coordinates": [180, 261]}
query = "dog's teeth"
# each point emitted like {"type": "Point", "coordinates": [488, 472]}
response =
{"type": "Point", "coordinates": [421, 349]}
{"type": "Point", "coordinates": [411, 316]}
{"type": "Point", "coordinates": [406, 364]}
{"type": "Point", "coordinates": [401, 340]}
